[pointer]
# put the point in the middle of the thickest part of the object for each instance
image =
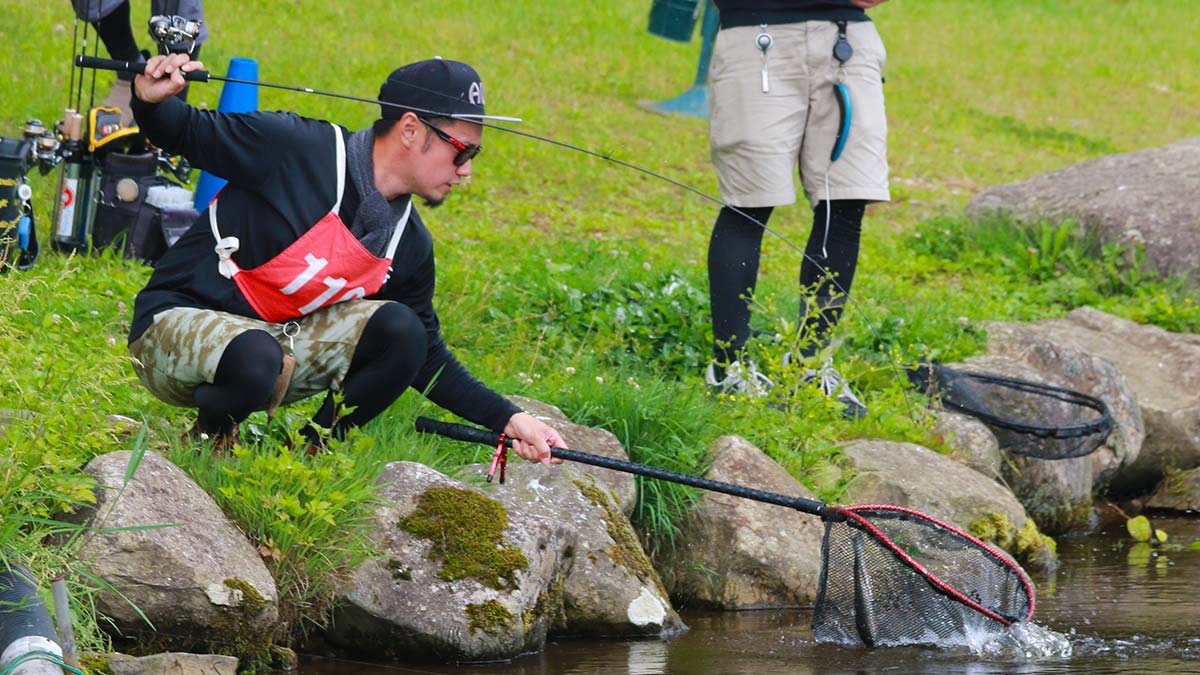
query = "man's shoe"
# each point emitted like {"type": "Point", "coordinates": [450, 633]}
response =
{"type": "Point", "coordinates": [831, 383]}
{"type": "Point", "coordinates": [739, 380]}
{"type": "Point", "coordinates": [220, 442]}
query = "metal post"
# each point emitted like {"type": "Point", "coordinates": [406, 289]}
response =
{"type": "Point", "coordinates": [62, 619]}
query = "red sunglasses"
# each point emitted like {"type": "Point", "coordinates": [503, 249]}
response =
{"type": "Point", "coordinates": [466, 151]}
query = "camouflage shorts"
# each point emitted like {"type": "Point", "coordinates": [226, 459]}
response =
{"type": "Point", "coordinates": [181, 349]}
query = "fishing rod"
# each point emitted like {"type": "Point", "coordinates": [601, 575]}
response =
{"type": "Point", "coordinates": [139, 68]}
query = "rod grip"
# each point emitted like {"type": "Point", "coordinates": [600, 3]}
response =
{"type": "Point", "coordinates": [459, 432]}
{"type": "Point", "coordinates": [132, 67]}
{"type": "Point", "coordinates": [463, 432]}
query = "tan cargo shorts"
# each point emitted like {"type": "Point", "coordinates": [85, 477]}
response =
{"type": "Point", "coordinates": [181, 350]}
{"type": "Point", "coordinates": [757, 139]}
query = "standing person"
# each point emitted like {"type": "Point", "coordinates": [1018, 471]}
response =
{"type": "Point", "coordinates": [773, 106]}
{"type": "Point", "coordinates": [111, 18]}
{"type": "Point", "coordinates": [322, 279]}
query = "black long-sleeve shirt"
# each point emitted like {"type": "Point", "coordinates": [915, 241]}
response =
{"type": "Point", "coordinates": [774, 12]}
{"type": "Point", "coordinates": [281, 173]}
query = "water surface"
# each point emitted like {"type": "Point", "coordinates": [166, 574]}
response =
{"type": "Point", "coordinates": [1121, 607]}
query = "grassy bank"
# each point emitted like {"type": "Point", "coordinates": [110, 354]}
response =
{"type": "Point", "coordinates": [576, 282]}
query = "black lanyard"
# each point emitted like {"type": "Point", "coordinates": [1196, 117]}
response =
{"type": "Point", "coordinates": [841, 49]}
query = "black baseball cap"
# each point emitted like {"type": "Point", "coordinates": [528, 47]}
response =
{"type": "Point", "coordinates": [436, 87]}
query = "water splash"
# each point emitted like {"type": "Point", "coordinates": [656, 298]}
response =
{"type": "Point", "coordinates": [1028, 641]}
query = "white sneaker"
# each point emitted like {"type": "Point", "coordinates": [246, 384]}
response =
{"type": "Point", "coordinates": [831, 383]}
{"type": "Point", "coordinates": [741, 380]}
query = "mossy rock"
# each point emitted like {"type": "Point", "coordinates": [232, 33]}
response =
{"type": "Point", "coordinates": [489, 617]}
{"type": "Point", "coordinates": [626, 550]}
{"type": "Point", "coordinates": [466, 532]}
{"type": "Point", "coordinates": [1027, 545]}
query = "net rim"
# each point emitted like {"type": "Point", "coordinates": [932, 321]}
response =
{"type": "Point", "coordinates": [852, 512]}
{"type": "Point", "coordinates": [1103, 424]}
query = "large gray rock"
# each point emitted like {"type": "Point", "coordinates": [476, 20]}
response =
{"type": "Point", "coordinates": [591, 440]}
{"type": "Point", "coordinates": [736, 553]}
{"type": "Point", "coordinates": [198, 580]}
{"type": "Point", "coordinates": [610, 588]}
{"type": "Point", "coordinates": [973, 443]}
{"type": "Point", "coordinates": [1059, 357]}
{"type": "Point", "coordinates": [1179, 491]}
{"type": "Point", "coordinates": [171, 663]}
{"type": "Point", "coordinates": [1146, 195]}
{"type": "Point", "coordinates": [1162, 370]}
{"type": "Point", "coordinates": [462, 578]}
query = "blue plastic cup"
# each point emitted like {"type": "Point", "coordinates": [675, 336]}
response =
{"type": "Point", "coordinates": [236, 97]}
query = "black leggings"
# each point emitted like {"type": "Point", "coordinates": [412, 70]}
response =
{"type": "Point", "coordinates": [733, 255]}
{"type": "Point", "coordinates": [386, 359]}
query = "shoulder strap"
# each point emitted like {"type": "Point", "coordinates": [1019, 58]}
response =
{"type": "Point", "coordinates": [341, 166]}
{"type": "Point", "coordinates": [398, 232]}
{"type": "Point", "coordinates": [225, 247]}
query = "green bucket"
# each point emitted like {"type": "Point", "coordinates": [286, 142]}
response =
{"type": "Point", "coordinates": [674, 19]}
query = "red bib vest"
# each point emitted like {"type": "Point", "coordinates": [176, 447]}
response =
{"type": "Point", "coordinates": [326, 265]}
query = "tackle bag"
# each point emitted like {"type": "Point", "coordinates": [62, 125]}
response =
{"type": "Point", "coordinates": [18, 233]}
{"type": "Point", "coordinates": [123, 219]}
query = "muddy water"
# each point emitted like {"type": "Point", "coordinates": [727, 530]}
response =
{"type": "Point", "coordinates": [1119, 607]}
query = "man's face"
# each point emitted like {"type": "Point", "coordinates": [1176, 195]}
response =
{"type": "Point", "coordinates": [439, 174]}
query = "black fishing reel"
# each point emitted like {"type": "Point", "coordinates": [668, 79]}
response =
{"type": "Point", "coordinates": [175, 33]}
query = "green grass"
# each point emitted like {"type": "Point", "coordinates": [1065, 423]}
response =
{"type": "Point", "coordinates": [571, 280]}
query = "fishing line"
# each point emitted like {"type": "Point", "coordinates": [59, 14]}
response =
{"type": "Point", "coordinates": [205, 76]}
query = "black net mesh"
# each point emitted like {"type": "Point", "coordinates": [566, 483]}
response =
{"type": "Point", "coordinates": [1028, 418]}
{"type": "Point", "coordinates": [870, 595]}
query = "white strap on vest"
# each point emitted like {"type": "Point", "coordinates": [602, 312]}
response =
{"type": "Point", "coordinates": [227, 246]}
{"type": "Point", "coordinates": [398, 232]}
{"type": "Point", "coordinates": [341, 166]}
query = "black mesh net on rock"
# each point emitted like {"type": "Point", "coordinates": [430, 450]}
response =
{"type": "Point", "coordinates": [892, 576]}
{"type": "Point", "coordinates": [1027, 418]}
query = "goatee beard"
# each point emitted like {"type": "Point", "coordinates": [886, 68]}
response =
{"type": "Point", "coordinates": [433, 203]}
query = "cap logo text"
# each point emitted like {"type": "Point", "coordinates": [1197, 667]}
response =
{"type": "Point", "coordinates": [475, 93]}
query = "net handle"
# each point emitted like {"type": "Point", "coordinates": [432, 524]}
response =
{"type": "Point", "coordinates": [470, 434]}
{"type": "Point", "coordinates": [463, 432]}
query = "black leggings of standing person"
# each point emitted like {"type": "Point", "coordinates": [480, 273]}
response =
{"type": "Point", "coordinates": [385, 362]}
{"type": "Point", "coordinates": [733, 256]}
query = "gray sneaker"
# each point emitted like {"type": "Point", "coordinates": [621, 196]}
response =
{"type": "Point", "coordinates": [740, 380]}
{"type": "Point", "coordinates": [831, 383]}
